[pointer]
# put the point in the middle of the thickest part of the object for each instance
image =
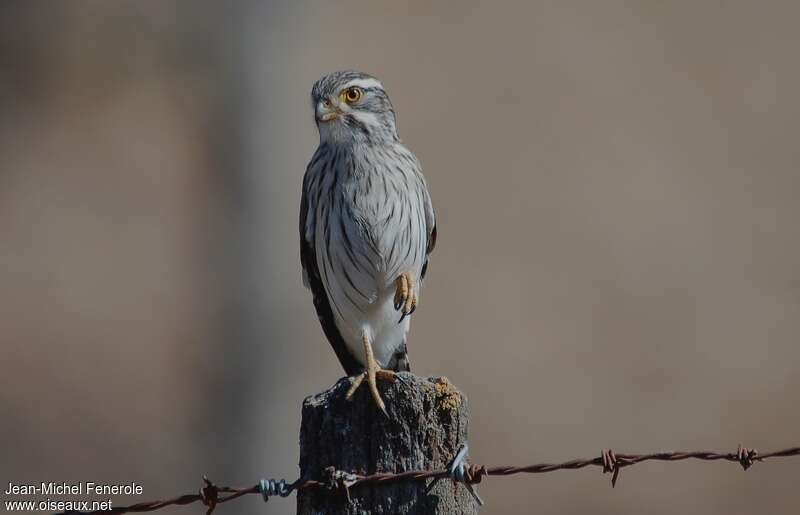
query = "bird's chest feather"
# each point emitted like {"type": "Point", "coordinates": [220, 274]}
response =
{"type": "Point", "coordinates": [369, 225]}
{"type": "Point", "coordinates": [379, 204]}
{"type": "Point", "coordinates": [370, 199]}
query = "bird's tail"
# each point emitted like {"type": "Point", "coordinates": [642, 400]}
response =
{"type": "Point", "coordinates": [400, 361]}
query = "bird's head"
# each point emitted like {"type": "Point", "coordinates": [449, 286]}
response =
{"type": "Point", "coordinates": [351, 106]}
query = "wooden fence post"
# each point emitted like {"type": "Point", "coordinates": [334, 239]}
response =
{"type": "Point", "coordinates": [427, 422]}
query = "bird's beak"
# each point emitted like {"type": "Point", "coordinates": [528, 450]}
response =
{"type": "Point", "coordinates": [330, 113]}
{"type": "Point", "coordinates": [326, 117]}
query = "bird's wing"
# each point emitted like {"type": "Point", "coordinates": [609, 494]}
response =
{"type": "Point", "coordinates": [430, 224]}
{"type": "Point", "coordinates": [313, 281]}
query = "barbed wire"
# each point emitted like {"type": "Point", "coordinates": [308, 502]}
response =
{"type": "Point", "coordinates": [337, 481]}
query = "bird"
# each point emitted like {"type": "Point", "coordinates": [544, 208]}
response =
{"type": "Point", "coordinates": [367, 229]}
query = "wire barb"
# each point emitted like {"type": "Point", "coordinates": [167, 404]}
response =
{"type": "Point", "coordinates": [611, 464]}
{"type": "Point", "coordinates": [209, 495]}
{"type": "Point", "coordinates": [340, 481]}
{"type": "Point", "coordinates": [460, 472]}
{"type": "Point", "coordinates": [746, 457]}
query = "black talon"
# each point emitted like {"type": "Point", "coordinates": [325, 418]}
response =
{"type": "Point", "coordinates": [400, 378]}
{"type": "Point", "coordinates": [403, 317]}
{"type": "Point", "coordinates": [412, 310]}
{"type": "Point", "coordinates": [397, 304]}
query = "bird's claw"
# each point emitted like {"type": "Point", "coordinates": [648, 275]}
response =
{"type": "Point", "coordinates": [372, 374]}
{"type": "Point", "coordinates": [398, 377]}
{"type": "Point", "coordinates": [405, 296]}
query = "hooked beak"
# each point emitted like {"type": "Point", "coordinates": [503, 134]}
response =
{"type": "Point", "coordinates": [328, 113]}
{"type": "Point", "coordinates": [326, 117]}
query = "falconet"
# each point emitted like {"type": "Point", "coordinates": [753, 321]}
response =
{"type": "Point", "coordinates": [367, 228]}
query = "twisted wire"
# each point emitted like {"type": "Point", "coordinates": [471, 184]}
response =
{"type": "Point", "coordinates": [338, 481]}
{"type": "Point", "coordinates": [271, 487]}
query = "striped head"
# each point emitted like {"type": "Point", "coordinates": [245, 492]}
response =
{"type": "Point", "coordinates": [351, 106]}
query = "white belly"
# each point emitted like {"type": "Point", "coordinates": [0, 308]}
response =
{"type": "Point", "coordinates": [379, 322]}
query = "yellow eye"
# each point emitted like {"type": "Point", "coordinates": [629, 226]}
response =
{"type": "Point", "coordinates": [352, 95]}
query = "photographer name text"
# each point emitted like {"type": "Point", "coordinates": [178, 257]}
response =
{"type": "Point", "coordinates": [80, 488]}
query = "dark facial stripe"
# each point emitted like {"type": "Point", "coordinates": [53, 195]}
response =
{"type": "Point", "coordinates": [354, 123]}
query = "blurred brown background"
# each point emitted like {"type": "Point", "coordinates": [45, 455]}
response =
{"type": "Point", "coordinates": [617, 189]}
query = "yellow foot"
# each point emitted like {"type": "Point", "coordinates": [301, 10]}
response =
{"type": "Point", "coordinates": [372, 373]}
{"type": "Point", "coordinates": [405, 295]}
{"type": "Point", "coordinates": [356, 381]}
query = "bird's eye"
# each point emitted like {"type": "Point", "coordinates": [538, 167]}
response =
{"type": "Point", "coordinates": [352, 95]}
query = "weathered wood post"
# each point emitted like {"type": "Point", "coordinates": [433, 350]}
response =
{"type": "Point", "coordinates": [427, 423]}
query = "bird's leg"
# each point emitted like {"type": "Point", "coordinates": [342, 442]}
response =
{"type": "Point", "coordinates": [405, 295]}
{"type": "Point", "coordinates": [372, 373]}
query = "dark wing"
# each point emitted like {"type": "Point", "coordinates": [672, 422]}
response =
{"type": "Point", "coordinates": [308, 258]}
{"type": "Point", "coordinates": [428, 250]}
{"type": "Point", "coordinates": [430, 223]}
